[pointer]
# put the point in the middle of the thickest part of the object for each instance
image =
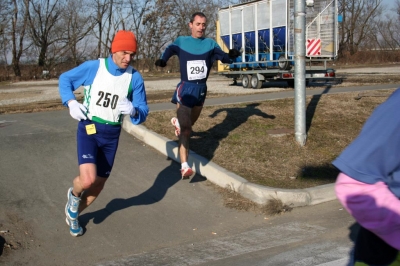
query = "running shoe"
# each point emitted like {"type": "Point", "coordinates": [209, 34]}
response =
{"type": "Point", "coordinates": [74, 228]}
{"type": "Point", "coordinates": [187, 173]}
{"type": "Point", "coordinates": [72, 207]}
{"type": "Point", "coordinates": [175, 123]}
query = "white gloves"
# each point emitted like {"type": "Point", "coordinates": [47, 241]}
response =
{"type": "Point", "coordinates": [126, 107]}
{"type": "Point", "coordinates": [76, 110]}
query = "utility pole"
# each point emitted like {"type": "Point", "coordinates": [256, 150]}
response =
{"type": "Point", "coordinates": [299, 71]}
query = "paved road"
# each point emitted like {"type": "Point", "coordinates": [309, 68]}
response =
{"type": "Point", "coordinates": [146, 214]}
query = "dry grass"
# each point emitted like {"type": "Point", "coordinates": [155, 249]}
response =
{"type": "Point", "coordinates": [233, 200]}
{"type": "Point", "coordinates": [238, 137]}
{"type": "Point", "coordinates": [275, 206]}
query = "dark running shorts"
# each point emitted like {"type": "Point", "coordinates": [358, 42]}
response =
{"type": "Point", "coordinates": [99, 148]}
{"type": "Point", "coordinates": [190, 94]}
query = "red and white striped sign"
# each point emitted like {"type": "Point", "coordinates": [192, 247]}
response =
{"type": "Point", "coordinates": [313, 47]}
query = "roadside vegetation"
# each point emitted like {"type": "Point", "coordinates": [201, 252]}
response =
{"type": "Point", "coordinates": [256, 140]}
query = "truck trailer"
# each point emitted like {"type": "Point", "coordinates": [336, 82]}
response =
{"type": "Point", "coordinates": [263, 31]}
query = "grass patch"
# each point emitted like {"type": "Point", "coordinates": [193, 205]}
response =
{"type": "Point", "coordinates": [238, 137]}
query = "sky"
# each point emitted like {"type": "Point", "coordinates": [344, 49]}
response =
{"type": "Point", "coordinates": [389, 3]}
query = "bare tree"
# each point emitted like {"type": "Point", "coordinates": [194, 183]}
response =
{"type": "Point", "coordinates": [183, 10]}
{"type": "Point", "coordinates": [151, 22]}
{"type": "Point", "coordinates": [157, 31]}
{"type": "Point", "coordinates": [136, 14]}
{"type": "Point", "coordinates": [397, 7]}
{"type": "Point", "coordinates": [358, 18]}
{"type": "Point", "coordinates": [44, 22]}
{"type": "Point", "coordinates": [110, 30]}
{"type": "Point", "coordinates": [101, 8]}
{"type": "Point", "coordinates": [107, 22]}
{"type": "Point", "coordinates": [5, 11]}
{"type": "Point", "coordinates": [19, 23]}
{"type": "Point", "coordinates": [388, 36]}
{"type": "Point", "coordinates": [388, 30]}
{"type": "Point", "coordinates": [77, 25]}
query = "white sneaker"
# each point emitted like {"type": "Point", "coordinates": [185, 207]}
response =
{"type": "Point", "coordinates": [175, 123]}
{"type": "Point", "coordinates": [74, 228]}
{"type": "Point", "coordinates": [72, 206]}
{"type": "Point", "coordinates": [187, 172]}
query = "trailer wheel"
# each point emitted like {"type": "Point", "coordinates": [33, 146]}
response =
{"type": "Point", "coordinates": [283, 63]}
{"type": "Point", "coordinates": [256, 83]}
{"type": "Point", "coordinates": [290, 83]}
{"type": "Point", "coordinates": [246, 81]}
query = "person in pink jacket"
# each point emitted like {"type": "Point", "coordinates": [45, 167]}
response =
{"type": "Point", "coordinates": [368, 185]}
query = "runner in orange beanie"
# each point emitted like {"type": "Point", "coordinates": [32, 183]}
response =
{"type": "Point", "coordinates": [113, 90]}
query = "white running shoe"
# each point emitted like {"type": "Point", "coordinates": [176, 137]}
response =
{"type": "Point", "coordinates": [74, 228]}
{"type": "Point", "coordinates": [72, 206]}
{"type": "Point", "coordinates": [175, 123]}
{"type": "Point", "coordinates": [187, 173]}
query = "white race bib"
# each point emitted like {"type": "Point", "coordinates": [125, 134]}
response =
{"type": "Point", "coordinates": [196, 69]}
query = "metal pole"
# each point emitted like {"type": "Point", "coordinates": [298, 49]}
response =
{"type": "Point", "coordinates": [299, 71]}
{"type": "Point", "coordinates": [243, 41]}
{"type": "Point", "coordinates": [256, 31]}
{"type": "Point", "coordinates": [230, 28]}
{"type": "Point", "coordinates": [271, 35]}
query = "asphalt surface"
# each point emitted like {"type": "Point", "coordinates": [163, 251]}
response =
{"type": "Point", "coordinates": [146, 215]}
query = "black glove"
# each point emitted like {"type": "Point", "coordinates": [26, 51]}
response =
{"type": "Point", "coordinates": [233, 53]}
{"type": "Point", "coordinates": [160, 63]}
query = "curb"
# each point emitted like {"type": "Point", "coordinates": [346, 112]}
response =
{"type": "Point", "coordinates": [224, 178]}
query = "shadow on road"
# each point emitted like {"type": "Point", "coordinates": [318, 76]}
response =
{"type": "Point", "coordinates": [164, 180]}
{"type": "Point", "coordinates": [169, 176]}
{"type": "Point", "coordinates": [2, 243]}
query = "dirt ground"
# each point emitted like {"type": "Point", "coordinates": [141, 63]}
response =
{"type": "Point", "coordinates": [15, 234]}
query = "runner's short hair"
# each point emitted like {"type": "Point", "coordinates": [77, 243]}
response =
{"type": "Point", "coordinates": [200, 14]}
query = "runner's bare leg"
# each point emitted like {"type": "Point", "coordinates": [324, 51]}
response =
{"type": "Point", "coordinates": [184, 117]}
{"type": "Point", "coordinates": [89, 183]}
{"type": "Point", "coordinates": [196, 113]}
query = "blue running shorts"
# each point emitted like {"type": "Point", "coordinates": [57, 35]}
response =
{"type": "Point", "coordinates": [99, 148]}
{"type": "Point", "coordinates": [190, 94]}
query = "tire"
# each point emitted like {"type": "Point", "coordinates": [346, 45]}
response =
{"type": "Point", "coordinates": [246, 81]}
{"type": "Point", "coordinates": [290, 83]}
{"type": "Point", "coordinates": [283, 63]}
{"type": "Point", "coordinates": [256, 83]}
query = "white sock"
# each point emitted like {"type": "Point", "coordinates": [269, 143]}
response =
{"type": "Point", "coordinates": [184, 165]}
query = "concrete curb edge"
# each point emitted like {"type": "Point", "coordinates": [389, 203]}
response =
{"type": "Point", "coordinates": [224, 178]}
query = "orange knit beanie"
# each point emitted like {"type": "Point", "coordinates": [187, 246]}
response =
{"type": "Point", "coordinates": [124, 41]}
